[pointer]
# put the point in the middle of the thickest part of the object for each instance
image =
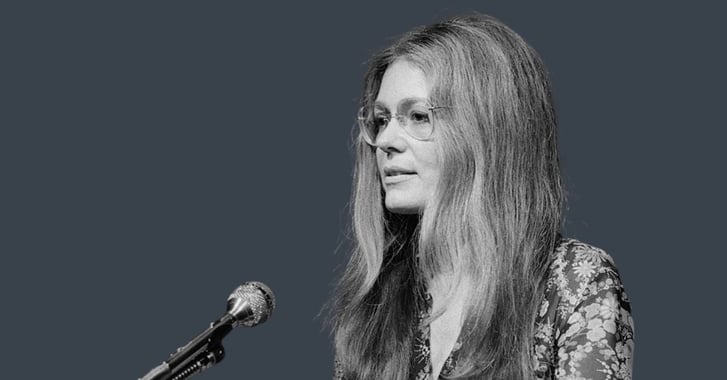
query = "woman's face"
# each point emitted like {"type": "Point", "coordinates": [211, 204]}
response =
{"type": "Point", "coordinates": [409, 168]}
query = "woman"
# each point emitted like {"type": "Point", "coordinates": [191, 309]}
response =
{"type": "Point", "coordinates": [458, 268]}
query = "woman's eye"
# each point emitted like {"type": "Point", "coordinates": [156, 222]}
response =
{"type": "Point", "coordinates": [380, 121]}
{"type": "Point", "coordinates": [418, 117]}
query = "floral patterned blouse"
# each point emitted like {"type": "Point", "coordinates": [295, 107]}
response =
{"type": "Point", "coordinates": [583, 330]}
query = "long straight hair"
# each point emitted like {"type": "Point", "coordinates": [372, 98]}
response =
{"type": "Point", "coordinates": [495, 216]}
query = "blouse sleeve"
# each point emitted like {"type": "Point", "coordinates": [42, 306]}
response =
{"type": "Point", "coordinates": [596, 336]}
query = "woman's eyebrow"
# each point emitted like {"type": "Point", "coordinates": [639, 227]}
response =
{"type": "Point", "coordinates": [378, 104]}
{"type": "Point", "coordinates": [405, 101]}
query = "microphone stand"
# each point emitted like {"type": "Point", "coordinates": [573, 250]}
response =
{"type": "Point", "coordinates": [250, 304]}
{"type": "Point", "coordinates": [207, 358]}
{"type": "Point", "coordinates": [202, 352]}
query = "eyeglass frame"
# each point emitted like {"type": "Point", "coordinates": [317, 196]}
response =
{"type": "Point", "coordinates": [403, 121]}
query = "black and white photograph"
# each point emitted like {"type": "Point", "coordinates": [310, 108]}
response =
{"type": "Point", "coordinates": [366, 190]}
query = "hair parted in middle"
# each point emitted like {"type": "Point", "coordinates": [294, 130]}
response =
{"type": "Point", "coordinates": [495, 217]}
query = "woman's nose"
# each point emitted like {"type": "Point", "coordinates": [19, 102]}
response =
{"type": "Point", "coordinates": [392, 138]}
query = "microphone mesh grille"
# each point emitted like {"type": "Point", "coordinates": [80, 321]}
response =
{"type": "Point", "coordinates": [259, 298]}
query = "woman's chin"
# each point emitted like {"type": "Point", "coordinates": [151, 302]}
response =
{"type": "Point", "coordinates": [407, 208]}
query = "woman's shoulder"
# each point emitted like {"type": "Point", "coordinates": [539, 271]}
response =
{"type": "Point", "coordinates": [572, 251]}
{"type": "Point", "coordinates": [584, 327]}
{"type": "Point", "coordinates": [579, 270]}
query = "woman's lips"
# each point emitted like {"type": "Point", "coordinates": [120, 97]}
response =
{"type": "Point", "coordinates": [398, 178]}
{"type": "Point", "coordinates": [394, 174]}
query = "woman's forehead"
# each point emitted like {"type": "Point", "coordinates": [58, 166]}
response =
{"type": "Point", "coordinates": [402, 80]}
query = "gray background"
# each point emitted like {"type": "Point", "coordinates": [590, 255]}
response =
{"type": "Point", "coordinates": [156, 155]}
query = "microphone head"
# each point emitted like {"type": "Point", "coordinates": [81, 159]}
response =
{"type": "Point", "coordinates": [251, 303]}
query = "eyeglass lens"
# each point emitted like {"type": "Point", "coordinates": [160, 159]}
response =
{"type": "Point", "coordinates": [413, 115]}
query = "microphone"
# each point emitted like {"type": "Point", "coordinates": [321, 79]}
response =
{"type": "Point", "coordinates": [249, 305]}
